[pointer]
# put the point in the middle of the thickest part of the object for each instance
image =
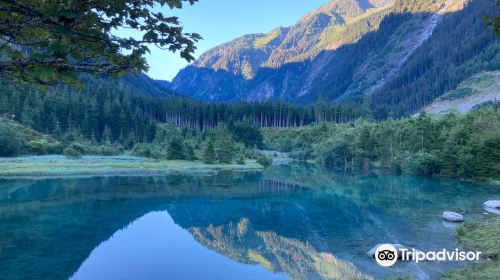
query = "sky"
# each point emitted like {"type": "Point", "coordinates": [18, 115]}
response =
{"type": "Point", "coordinates": [220, 21]}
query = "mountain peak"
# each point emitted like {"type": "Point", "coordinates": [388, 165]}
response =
{"type": "Point", "coordinates": [349, 8]}
{"type": "Point", "coordinates": [347, 49]}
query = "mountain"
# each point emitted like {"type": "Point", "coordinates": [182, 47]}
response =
{"type": "Point", "coordinates": [143, 84]}
{"type": "Point", "coordinates": [398, 54]}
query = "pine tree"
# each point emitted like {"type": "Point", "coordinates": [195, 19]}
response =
{"type": "Point", "coordinates": [189, 152]}
{"type": "Point", "coordinates": [209, 152]}
{"type": "Point", "coordinates": [106, 136]}
{"type": "Point", "coordinates": [224, 146]}
{"type": "Point", "coordinates": [175, 150]}
{"type": "Point", "coordinates": [449, 158]}
{"type": "Point", "coordinates": [487, 165]}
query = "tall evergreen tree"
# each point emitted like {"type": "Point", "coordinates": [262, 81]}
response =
{"type": "Point", "coordinates": [209, 151]}
{"type": "Point", "coordinates": [175, 150]}
{"type": "Point", "coordinates": [224, 145]}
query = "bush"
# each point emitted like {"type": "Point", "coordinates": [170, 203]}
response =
{"type": "Point", "coordinates": [248, 134]}
{"type": "Point", "coordinates": [421, 164]}
{"type": "Point", "coordinates": [72, 153]}
{"type": "Point", "coordinates": [55, 148]}
{"type": "Point", "coordinates": [240, 160]}
{"type": "Point", "coordinates": [79, 147]}
{"type": "Point", "coordinates": [144, 150]}
{"type": "Point", "coordinates": [38, 147]}
{"type": "Point", "coordinates": [12, 142]}
{"type": "Point", "coordinates": [110, 150]}
{"type": "Point", "coordinates": [264, 161]}
{"type": "Point", "coordinates": [287, 145]}
{"type": "Point", "coordinates": [251, 153]}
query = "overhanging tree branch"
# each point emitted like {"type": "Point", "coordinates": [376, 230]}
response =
{"type": "Point", "coordinates": [50, 41]}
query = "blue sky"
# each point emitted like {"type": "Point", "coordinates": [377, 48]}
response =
{"type": "Point", "coordinates": [219, 21]}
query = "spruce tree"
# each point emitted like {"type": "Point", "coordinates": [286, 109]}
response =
{"type": "Point", "coordinates": [209, 152]}
{"type": "Point", "coordinates": [175, 151]}
{"type": "Point", "coordinates": [224, 146]}
{"type": "Point", "coordinates": [189, 152]}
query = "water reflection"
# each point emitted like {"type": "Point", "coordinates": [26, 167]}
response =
{"type": "Point", "coordinates": [154, 247]}
{"type": "Point", "coordinates": [292, 221]}
{"type": "Point", "coordinates": [276, 253]}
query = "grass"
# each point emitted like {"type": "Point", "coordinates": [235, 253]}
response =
{"type": "Point", "coordinates": [480, 83]}
{"type": "Point", "coordinates": [485, 271]}
{"type": "Point", "coordinates": [482, 236]}
{"type": "Point", "coordinates": [479, 236]}
{"type": "Point", "coordinates": [50, 166]}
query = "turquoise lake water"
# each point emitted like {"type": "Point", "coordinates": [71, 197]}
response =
{"type": "Point", "coordinates": [293, 221]}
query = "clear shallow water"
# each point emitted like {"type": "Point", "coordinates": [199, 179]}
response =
{"type": "Point", "coordinates": [291, 221]}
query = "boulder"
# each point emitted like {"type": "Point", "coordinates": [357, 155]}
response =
{"type": "Point", "coordinates": [453, 217]}
{"type": "Point", "coordinates": [492, 204]}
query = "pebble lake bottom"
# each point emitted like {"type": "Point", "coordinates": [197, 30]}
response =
{"type": "Point", "coordinates": [292, 221]}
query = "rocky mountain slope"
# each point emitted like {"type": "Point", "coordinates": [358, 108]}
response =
{"type": "Point", "coordinates": [349, 49]}
{"type": "Point", "coordinates": [478, 89]}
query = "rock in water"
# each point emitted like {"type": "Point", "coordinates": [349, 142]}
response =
{"type": "Point", "coordinates": [493, 210]}
{"type": "Point", "coordinates": [453, 217]}
{"type": "Point", "coordinates": [372, 252]}
{"type": "Point", "coordinates": [492, 204]}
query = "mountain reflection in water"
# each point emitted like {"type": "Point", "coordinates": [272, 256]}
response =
{"type": "Point", "coordinates": [293, 221]}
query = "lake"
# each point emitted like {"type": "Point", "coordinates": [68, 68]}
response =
{"type": "Point", "coordinates": [292, 221]}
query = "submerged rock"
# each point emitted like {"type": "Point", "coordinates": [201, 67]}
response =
{"type": "Point", "coordinates": [453, 217]}
{"type": "Point", "coordinates": [372, 252]}
{"type": "Point", "coordinates": [492, 204]}
{"type": "Point", "coordinates": [453, 225]}
{"type": "Point", "coordinates": [493, 210]}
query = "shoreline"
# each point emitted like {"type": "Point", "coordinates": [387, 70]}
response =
{"type": "Point", "coordinates": [59, 166]}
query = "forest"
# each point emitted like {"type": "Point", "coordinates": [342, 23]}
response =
{"type": "Point", "coordinates": [106, 111]}
{"type": "Point", "coordinates": [453, 145]}
{"type": "Point", "coordinates": [42, 113]}
{"type": "Point", "coordinates": [107, 118]}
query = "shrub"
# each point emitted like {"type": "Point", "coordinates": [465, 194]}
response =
{"type": "Point", "coordinates": [144, 150]}
{"type": "Point", "coordinates": [109, 150]}
{"type": "Point", "coordinates": [240, 160]}
{"type": "Point", "coordinates": [248, 134]}
{"type": "Point", "coordinates": [72, 153]}
{"type": "Point", "coordinates": [38, 147]}
{"type": "Point", "coordinates": [55, 148]}
{"type": "Point", "coordinates": [79, 147]}
{"type": "Point", "coordinates": [12, 142]}
{"type": "Point", "coordinates": [287, 145]}
{"type": "Point", "coordinates": [421, 164]}
{"type": "Point", "coordinates": [251, 153]}
{"type": "Point", "coordinates": [264, 161]}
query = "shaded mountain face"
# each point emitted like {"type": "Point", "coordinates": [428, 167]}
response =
{"type": "Point", "coordinates": [218, 73]}
{"type": "Point", "coordinates": [347, 49]}
{"type": "Point", "coordinates": [143, 84]}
